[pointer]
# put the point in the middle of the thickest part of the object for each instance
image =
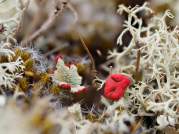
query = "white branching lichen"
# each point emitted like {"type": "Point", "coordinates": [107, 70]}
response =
{"type": "Point", "coordinates": [165, 121]}
{"type": "Point", "coordinates": [116, 122]}
{"type": "Point", "coordinates": [10, 70]}
{"type": "Point", "coordinates": [158, 91]}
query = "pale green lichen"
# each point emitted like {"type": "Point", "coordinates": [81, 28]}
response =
{"type": "Point", "coordinates": [68, 75]}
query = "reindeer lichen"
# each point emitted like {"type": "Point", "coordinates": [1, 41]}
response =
{"type": "Point", "coordinates": [10, 70]}
{"type": "Point", "coordinates": [158, 43]}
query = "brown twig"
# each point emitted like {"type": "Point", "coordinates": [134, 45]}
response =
{"type": "Point", "coordinates": [89, 53]}
{"type": "Point", "coordinates": [137, 126]}
{"type": "Point", "coordinates": [138, 62]}
{"type": "Point", "coordinates": [37, 21]}
{"type": "Point", "coordinates": [137, 74]}
{"type": "Point", "coordinates": [82, 40]}
{"type": "Point", "coordinates": [59, 7]}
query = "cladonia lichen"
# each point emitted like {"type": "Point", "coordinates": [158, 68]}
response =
{"type": "Point", "coordinates": [158, 90]}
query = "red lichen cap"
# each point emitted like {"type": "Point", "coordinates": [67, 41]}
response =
{"type": "Point", "coordinates": [65, 86]}
{"type": "Point", "coordinates": [68, 86]}
{"type": "Point", "coordinates": [115, 86]}
{"type": "Point", "coordinates": [81, 91]}
{"type": "Point", "coordinates": [57, 57]}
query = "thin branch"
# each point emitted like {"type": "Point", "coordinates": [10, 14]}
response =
{"type": "Point", "coordinates": [59, 7]}
{"type": "Point", "coordinates": [138, 62]}
{"type": "Point", "coordinates": [137, 126]}
{"type": "Point", "coordinates": [82, 40]}
{"type": "Point", "coordinates": [89, 53]}
{"type": "Point", "coordinates": [36, 20]}
{"type": "Point", "coordinates": [56, 49]}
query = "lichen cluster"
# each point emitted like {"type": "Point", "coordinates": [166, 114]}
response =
{"type": "Point", "coordinates": [156, 92]}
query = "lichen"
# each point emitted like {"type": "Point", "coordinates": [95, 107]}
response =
{"type": "Point", "coordinates": [157, 92]}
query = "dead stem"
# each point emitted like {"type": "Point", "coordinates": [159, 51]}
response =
{"type": "Point", "coordinates": [56, 49]}
{"type": "Point", "coordinates": [137, 74]}
{"type": "Point", "coordinates": [94, 71]}
{"type": "Point", "coordinates": [89, 53]}
{"type": "Point", "coordinates": [137, 126]}
{"type": "Point", "coordinates": [59, 7]}
{"type": "Point", "coordinates": [36, 20]}
{"type": "Point", "coordinates": [138, 62]}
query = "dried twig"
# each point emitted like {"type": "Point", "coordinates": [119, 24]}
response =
{"type": "Point", "coordinates": [94, 71]}
{"type": "Point", "coordinates": [137, 75]}
{"type": "Point", "coordinates": [89, 54]}
{"type": "Point", "coordinates": [59, 7]}
{"type": "Point", "coordinates": [138, 62]}
{"type": "Point", "coordinates": [137, 126]}
{"type": "Point", "coordinates": [56, 49]}
{"type": "Point", "coordinates": [36, 20]}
